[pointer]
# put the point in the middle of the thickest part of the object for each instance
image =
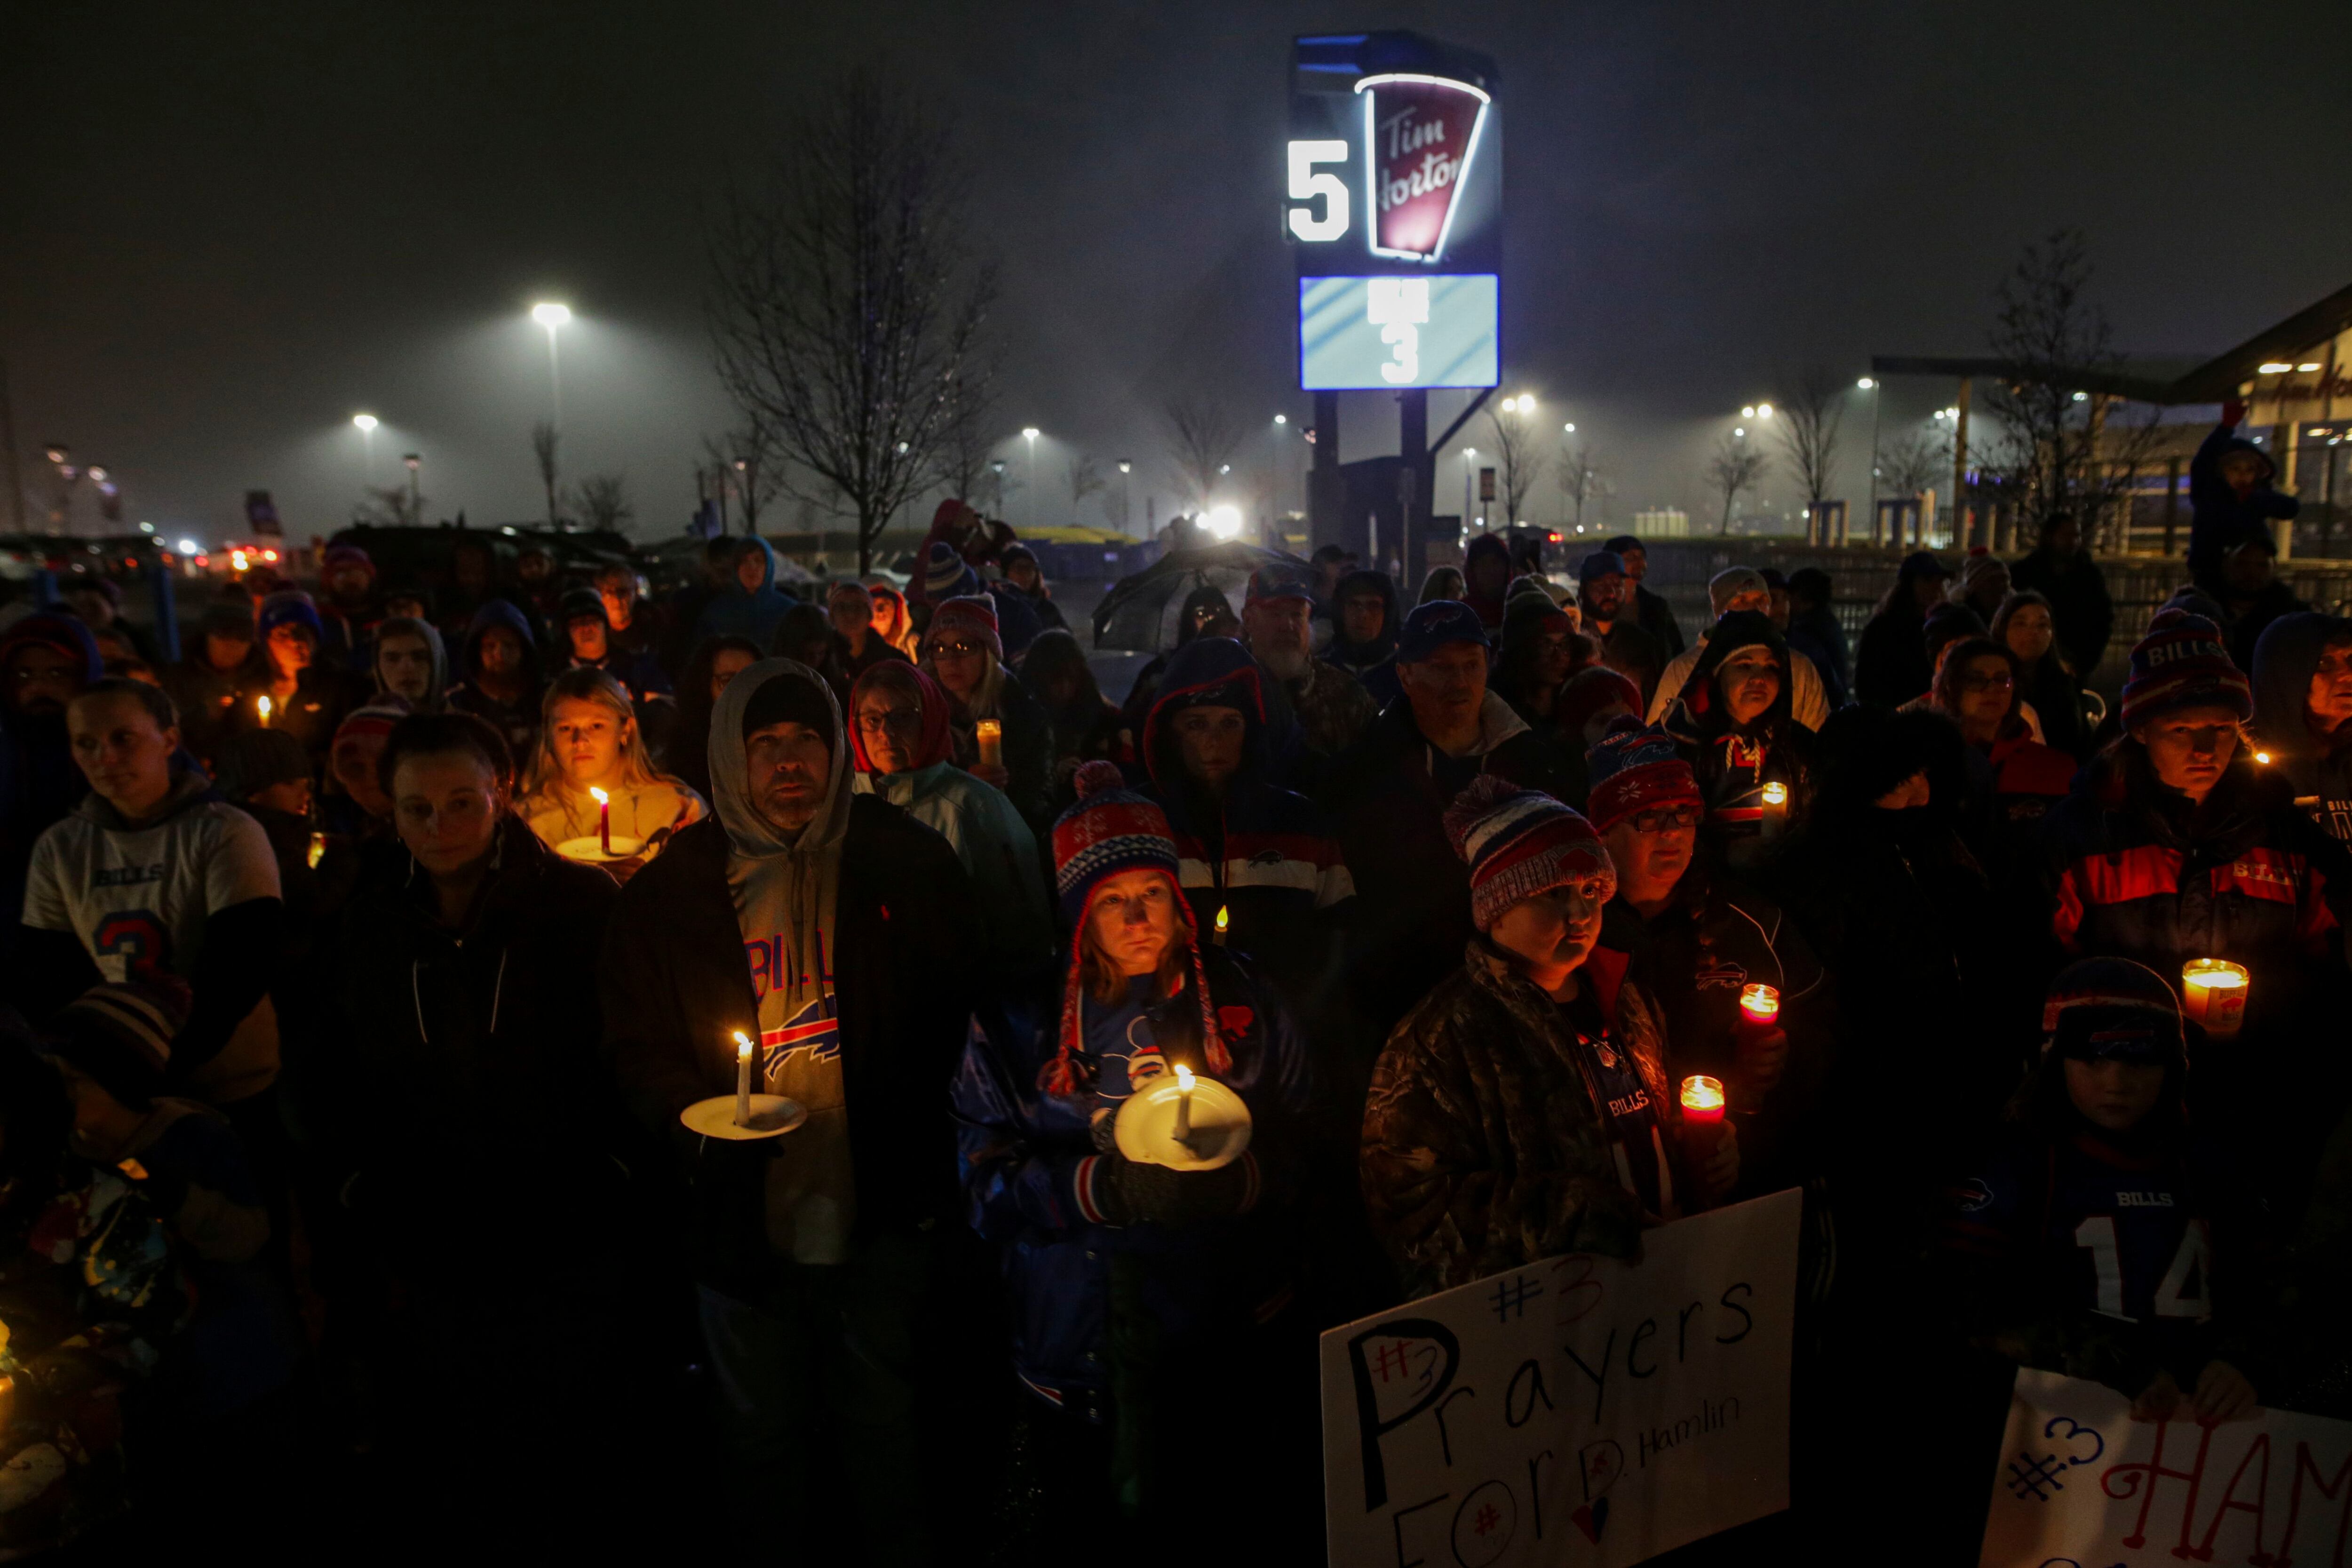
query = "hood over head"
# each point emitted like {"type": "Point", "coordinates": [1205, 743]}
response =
{"type": "Point", "coordinates": [410, 626]}
{"type": "Point", "coordinates": [1698, 711]}
{"type": "Point", "coordinates": [497, 613]}
{"type": "Point", "coordinates": [69, 634]}
{"type": "Point", "coordinates": [935, 743]}
{"type": "Point", "coordinates": [767, 568]}
{"type": "Point", "coordinates": [749, 833]}
{"type": "Point", "coordinates": [1207, 672]}
{"type": "Point", "coordinates": [2283, 661]}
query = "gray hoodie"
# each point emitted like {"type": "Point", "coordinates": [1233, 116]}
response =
{"type": "Point", "coordinates": [784, 892]}
{"type": "Point", "coordinates": [408, 626]}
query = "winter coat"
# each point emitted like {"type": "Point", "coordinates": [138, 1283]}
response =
{"type": "Point", "coordinates": [1815, 637]}
{"type": "Point", "coordinates": [1310, 720]}
{"type": "Point", "coordinates": [2055, 696]}
{"type": "Point", "coordinates": [1029, 1161]}
{"type": "Point", "coordinates": [2081, 613]}
{"type": "Point", "coordinates": [1658, 617]}
{"type": "Point", "coordinates": [1484, 1147]}
{"type": "Point", "coordinates": [1028, 739]}
{"type": "Point", "coordinates": [324, 695]}
{"type": "Point", "coordinates": [1733, 763]}
{"type": "Point", "coordinates": [997, 849]}
{"type": "Point", "coordinates": [2318, 767]}
{"type": "Point", "coordinates": [737, 611]}
{"type": "Point", "coordinates": [1891, 666]}
{"type": "Point", "coordinates": [39, 781]}
{"type": "Point", "coordinates": [675, 983]}
{"type": "Point", "coordinates": [476, 1049]}
{"type": "Point", "coordinates": [2219, 518]}
{"type": "Point", "coordinates": [205, 697]}
{"type": "Point", "coordinates": [517, 721]}
{"type": "Point", "coordinates": [1388, 793]}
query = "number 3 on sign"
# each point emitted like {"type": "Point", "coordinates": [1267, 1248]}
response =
{"type": "Point", "coordinates": [1308, 184]}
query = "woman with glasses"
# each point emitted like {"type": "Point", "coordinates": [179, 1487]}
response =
{"type": "Point", "coordinates": [1976, 686]}
{"type": "Point", "coordinates": [898, 734]}
{"type": "Point", "coordinates": [963, 651]}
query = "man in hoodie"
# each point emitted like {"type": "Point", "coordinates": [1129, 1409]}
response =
{"type": "Point", "coordinates": [1364, 636]}
{"type": "Point", "coordinates": [410, 664]}
{"type": "Point", "coordinates": [154, 874]}
{"type": "Point", "coordinates": [2302, 712]}
{"type": "Point", "coordinates": [2230, 499]}
{"type": "Point", "coordinates": [751, 606]}
{"type": "Point", "coordinates": [502, 686]}
{"type": "Point", "coordinates": [836, 930]}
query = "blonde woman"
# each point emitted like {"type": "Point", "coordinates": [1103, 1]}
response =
{"type": "Point", "coordinates": [589, 740]}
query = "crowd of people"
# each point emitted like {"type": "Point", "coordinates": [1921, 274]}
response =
{"type": "Point", "coordinates": [372, 953]}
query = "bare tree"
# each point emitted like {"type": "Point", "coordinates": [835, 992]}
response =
{"type": "Point", "coordinates": [1806, 420]}
{"type": "Point", "coordinates": [963, 464]}
{"type": "Point", "coordinates": [1580, 480]}
{"type": "Point", "coordinates": [1523, 462]}
{"type": "Point", "coordinates": [602, 500]}
{"type": "Point", "coordinates": [1915, 461]}
{"type": "Point", "coordinates": [1735, 467]}
{"type": "Point", "coordinates": [1202, 440]}
{"type": "Point", "coordinates": [389, 508]}
{"type": "Point", "coordinates": [848, 298]}
{"type": "Point", "coordinates": [2059, 447]}
{"type": "Point", "coordinates": [542, 451]}
{"type": "Point", "coordinates": [1085, 479]}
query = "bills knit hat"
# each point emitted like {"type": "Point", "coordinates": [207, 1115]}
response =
{"type": "Point", "coordinates": [120, 1034]}
{"type": "Point", "coordinates": [1600, 563]}
{"type": "Point", "coordinates": [1111, 829]}
{"type": "Point", "coordinates": [971, 616]}
{"type": "Point", "coordinates": [945, 574]}
{"type": "Point", "coordinates": [2181, 663]}
{"type": "Point", "coordinates": [253, 760]}
{"type": "Point", "coordinates": [1279, 580]}
{"type": "Point", "coordinates": [2111, 1009]}
{"type": "Point", "coordinates": [1518, 843]}
{"type": "Point", "coordinates": [1431, 625]}
{"type": "Point", "coordinates": [375, 719]}
{"type": "Point", "coordinates": [1633, 770]}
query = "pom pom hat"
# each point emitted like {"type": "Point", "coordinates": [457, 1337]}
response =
{"type": "Point", "coordinates": [1633, 770]}
{"type": "Point", "coordinates": [1113, 829]}
{"type": "Point", "coordinates": [2111, 1009]}
{"type": "Point", "coordinates": [2181, 663]}
{"type": "Point", "coordinates": [975, 615]}
{"type": "Point", "coordinates": [1518, 843]}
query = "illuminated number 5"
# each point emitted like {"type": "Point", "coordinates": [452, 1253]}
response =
{"type": "Point", "coordinates": [1307, 184]}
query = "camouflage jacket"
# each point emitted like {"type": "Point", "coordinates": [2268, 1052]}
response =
{"type": "Point", "coordinates": [1483, 1148]}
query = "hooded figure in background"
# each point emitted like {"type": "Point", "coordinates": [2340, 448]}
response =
{"type": "Point", "coordinates": [397, 666]}
{"type": "Point", "coordinates": [1358, 641]}
{"type": "Point", "coordinates": [751, 604]}
{"type": "Point", "coordinates": [503, 683]}
{"type": "Point", "coordinates": [837, 932]}
{"type": "Point", "coordinates": [2302, 712]}
{"type": "Point", "coordinates": [1204, 608]}
{"type": "Point", "coordinates": [2231, 498]}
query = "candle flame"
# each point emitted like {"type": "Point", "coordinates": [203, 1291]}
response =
{"type": "Point", "coordinates": [263, 705]}
{"type": "Point", "coordinates": [602, 798]}
{"type": "Point", "coordinates": [1702, 1093]}
{"type": "Point", "coordinates": [1776, 794]}
{"type": "Point", "coordinates": [318, 849]}
{"type": "Point", "coordinates": [1761, 1001]}
{"type": "Point", "coordinates": [1183, 1078]}
{"type": "Point", "coordinates": [1223, 918]}
{"type": "Point", "coordinates": [2262, 757]}
{"type": "Point", "coordinates": [2213, 975]}
{"type": "Point", "coordinates": [743, 1046]}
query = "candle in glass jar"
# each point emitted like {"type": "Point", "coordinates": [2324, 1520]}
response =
{"type": "Point", "coordinates": [743, 1078]}
{"type": "Point", "coordinates": [1702, 1098]}
{"type": "Point", "coordinates": [603, 818]}
{"type": "Point", "coordinates": [991, 735]}
{"type": "Point", "coordinates": [1759, 1006]}
{"type": "Point", "coordinates": [1776, 807]}
{"type": "Point", "coordinates": [2213, 994]}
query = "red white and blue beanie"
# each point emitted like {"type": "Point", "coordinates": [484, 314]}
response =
{"type": "Point", "coordinates": [2182, 663]}
{"type": "Point", "coordinates": [1518, 843]}
{"type": "Point", "coordinates": [1111, 829]}
{"type": "Point", "coordinates": [1633, 770]}
{"type": "Point", "coordinates": [2111, 1009]}
{"type": "Point", "coordinates": [120, 1034]}
{"type": "Point", "coordinates": [974, 614]}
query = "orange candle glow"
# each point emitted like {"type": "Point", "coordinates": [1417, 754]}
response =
{"type": "Point", "coordinates": [991, 736]}
{"type": "Point", "coordinates": [1760, 1004]}
{"type": "Point", "coordinates": [261, 706]}
{"type": "Point", "coordinates": [2213, 994]}
{"type": "Point", "coordinates": [1702, 1098]}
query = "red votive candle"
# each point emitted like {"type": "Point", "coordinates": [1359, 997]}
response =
{"type": "Point", "coordinates": [1702, 1098]}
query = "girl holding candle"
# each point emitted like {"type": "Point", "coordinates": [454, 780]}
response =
{"type": "Point", "coordinates": [1144, 1300]}
{"type": "Point", "coordinates": [1733, 725]}
{"type": "Point", "coordinates": [963, 651]}
{"type": "Point", "coordinates": [589, 740]}
{"type": "Point", "coordinates": [1523, 1110]}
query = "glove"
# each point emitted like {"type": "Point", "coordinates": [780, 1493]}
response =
{"type": "Point", "coordinates": [2233, 413]}
{"type": "Point", "coordinates": [1130, 1192]}
{"type": "Point", "coordinates": [1208, 1195]}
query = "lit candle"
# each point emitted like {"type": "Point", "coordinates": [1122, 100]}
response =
{"type": "Point", "coordinates": [1776, 809]}
{"type": "Point", "coordinates": [603, 818]}
{"type": "Point", "coordinates": [1224, 919]}
{"type": "Point", "coordinates": [261, 706]}
{"type": "Point", "coordinates": [2213, 994]}
{"type": "Point", "coordinates": [743, 1078]}
{"type": "Point", "coordinates": [318, 849]}
{"type": "Point", "coordinates": [1759, 1006]}
{"type": "Point", "coordinates": [2262, 757]}
{"type": "Point", "coordinates": [991, 735]}
{"type": "Point", "coordinates": [1183, 1130]}
{"type": "Point", "coordinates": [1702, 1099]}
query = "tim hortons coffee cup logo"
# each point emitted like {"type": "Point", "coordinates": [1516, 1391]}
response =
{"type": "Point", "coordinates": [1421, 132]}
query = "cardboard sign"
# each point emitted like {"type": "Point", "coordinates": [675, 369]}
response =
{"type": "Point", "coordinates": [1579, 1410]}
{"type": "Point", "coordinates": [2080, 1484]}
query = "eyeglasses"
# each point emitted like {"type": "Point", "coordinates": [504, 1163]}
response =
{"type": "Point", "coordinates": [54, 675]}
{"type": "Point", "coordinates": [1666, 819]}
{"type": "Point", "coordinates": [1988, 682]}
{"type": "Point", "coordinates": [889, 719]}
{"type": "Point", "coordinates": [957, 649]}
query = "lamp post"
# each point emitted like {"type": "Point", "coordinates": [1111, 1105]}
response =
{"type": "Point", "coordinates": [1273, 468]}
{"type": "Point", "coordinates": [366, 424]}
{"type": "Point", "coordinates": [1029, 434]}
{"type": "Point", "coordinates": [552, 316]}
{"type": "Point", "coordinates": [1126, 494]}
{"type": "Point", "coordinates": [415, 503]}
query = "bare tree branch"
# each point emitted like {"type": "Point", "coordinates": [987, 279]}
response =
{"type": "Point", "coordinates": [848, 298]}
{"type": "Point", "coordinates": [1915, 461]}
{"type": "Point", "coordinates": [1086, 478]}
{"type": "Point", "coordinates": [1523, 462]}
{"type": "Point", "coordinates": [1806, 420]}
{"type": "Point", "coordinates": [1580, 480]}
{"type": "Point", "coordinates": [1736, 465]}
{"type": "Point", "coordinates": [543, 451]}
{"type": "Point", "coordinates": [602, 503]}
{"type": "Point", "coordinates": [1203, 439]}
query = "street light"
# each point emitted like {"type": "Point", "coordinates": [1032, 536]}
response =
{"type": "Point", "coordinates": [416, 505]}
{"type": "Point", "coordinates": [1469, 459]}
{"type": "Point", "coordinates": [551, 315]}
{"type": "Point", "coordinates": [367, 424]}
{"type": "Point", "coordinates": [1763, 410]}
{"type": "Point", "coordinates": [1029, 434]}
{"type": "Point", "coordinates": [1126, 494]}
{"type": "Point", "coordinates": [1865, 384]}
{"type": "Point", "coordinates": [1568, 429]}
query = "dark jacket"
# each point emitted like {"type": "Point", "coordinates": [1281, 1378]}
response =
{"type": "Point", "coordinates": [2251, 616]}
{"type": "Point", "coordinates": [1891, 666]}
{"type": "Point", "coordinates": [1356, 657]}
{"type": "Point", "coordinates": [517, 721]}
{"type": "Point", "coordinates": [2220, 519]}
{"type": "Point", "coordinates": [676, 985]}
{"type": "Point", "coordinates": [473, 1047]}
{"type": "Point", "coordinates": [39, 781]}
{"type": "Point", "coordinates": [1815, 633]}
{"type": "Point", "coordinates": [2317, 767]}
{"type": "Point", "coordinates": [1733, 763]}
{"type": "Point", "coordinates": [1028, 739]}
{"type": "Point", "coordinates": [1389, 792]}
{"type": "Point", "coordinates": [1657, 618]}
{"type": "Point", "coordinates": [1029, 1161]}
{"type": "Point", "coordinates": [2081, 613]}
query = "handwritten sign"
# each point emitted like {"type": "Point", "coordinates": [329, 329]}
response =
{"type": "Point", "coordinates": [2080, 1484]}
{"type": "Point", "coordinates": [1579, 1410]}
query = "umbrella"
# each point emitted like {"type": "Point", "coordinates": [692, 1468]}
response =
{"type": "Point", "coordinates": [1140, 612]}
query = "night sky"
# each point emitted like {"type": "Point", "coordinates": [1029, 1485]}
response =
{"type": "Point", "coordinates": [230, 226]}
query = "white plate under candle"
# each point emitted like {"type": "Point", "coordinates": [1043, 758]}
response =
{"type": "Point", "coordinates": [590, 851]}
{"type": "Point", "coordinates": [1146, 1128]}
{"type": "Point", "coordinates": [772, 1116]}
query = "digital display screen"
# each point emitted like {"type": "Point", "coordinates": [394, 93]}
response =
{"type": "Point", "coordinates": [1367, 333]}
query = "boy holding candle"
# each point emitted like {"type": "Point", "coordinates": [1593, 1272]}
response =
{"type": "Point", "coordinates": [1523, 1110]}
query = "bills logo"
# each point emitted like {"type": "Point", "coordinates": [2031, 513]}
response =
{"type": "Point", "coordinates": [1419, 135]}
{"type": "Point", "coordinates": [815, 1028]}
